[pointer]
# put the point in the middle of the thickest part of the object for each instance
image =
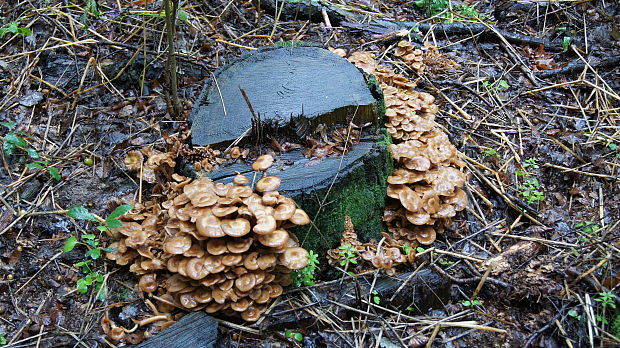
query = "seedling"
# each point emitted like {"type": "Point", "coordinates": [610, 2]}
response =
{"type": "Point", "coordinates": [14, 28]}
{"type": "Point", "coordinates": [88, 161]}
{"type": "Point", "coordinates": [294, 335]}
{"type": "Point", "coordinates": [375, 297]}
{"type": "Point", "coordinates": [606, 299]}
{"type": "Point", "coordinates": [588, 229]}
{"type": "Point", "coordinates": [15, 141]}
{"type": "Point", "coordinates": [573, 314]}
{"type": "Point", "coordinates": [490, 152]}
{"type": "Point", "coordinates": [530, 189]}
{"type": "Point", "coordinates": [347, 254]}
{"type": "Point", "coordinates": [305, 276]}
{"type": "Point", "coordinates": [420, 249]}
{"type": "Point", "coordinates": [93, 250]}
{"type": "Point", "coordinates": [468, 303]}
{"type": "Point", "coordinates": [566, 43]}
{"type": "Point", "coordinates": [440, 8]}
{"type": "Point", "coordinates": [54, 172]}
{"type": "Point", "coordinates": [3, 340]}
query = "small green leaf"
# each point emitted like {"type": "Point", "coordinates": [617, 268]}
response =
{"type": "Point", "coordinates": [10, 125]}
{"type": "Point", "coordinates": [503, 83]}
{"type": "Point", "coordinates": [54, 173]}
{"type": "Point", "coordinates": [288, 333]}
{"type": "Point", "coordinates": [93, 254]}
{"type": "Point", "coordinates": [120, 211]}
{"type": "Point", "coordinates": [298, 337]}
{"type": "Point", "coordinates": [32, 153]}
{"type": "Point", "coordinates": [113, 223]}
{"type": "Point", "coordinates": [78, 212]}
{"type": "Point", "coordinates": [88, 236]}
{"type": "Point", "coordinates": [69, 244]}
{"type": "Point", "coordinates": [102, 228]}
{"type": "Point", "coordinates": [24, 31]}
{"type": "Point", "coordinates": [82, 286]}
{"type": "Point", "coordinates": [12, 138]}
{"type": "Point", "coordinates": [35, 165]}
{"type": "Point", "coordinates": [419, 249]}
{"type": "Point", "coordinates": [109, 250]}
{"type": "Point", "coordinates": [183, 16]}
{"type": "Point", "coordinates": [566, 42]}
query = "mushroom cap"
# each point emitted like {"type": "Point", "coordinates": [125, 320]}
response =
{"type": "Point", "coordinates": [187, 300]}
{"type": "Point", "coordinates": [148, 282]}
{"type": "Point", "coordinates": [133, 160]}
{"type": "Point", "coordinates": [241, 180]}
{"type": "Point", "coordinates": [195, 268]}
{"type": "Point", "coordinates": [251, 314]}
{"type": "Point", "coordinates": [238, 227]}
{"type": "Point", "coordinates": [265, 224]}
{"type": "Point", "coordinates": [284, 210]}
{"type": "Point", "coordinates": [241, 305]}
{"type": "Point", "coordinates": [266, 261]}
{"type": "Point", "coordinates": [426, 235]}
{"type": "Point", "coordinates": [275, 239]}
{"type": "Point", "coordinates": [300, 217]}
{"type": "Point", "coordinates": [246, 282]}
{"type": "Point", "coordinates": [239, 245]}
{"type": "Point", "coordinates": [202, 295]}
{"type": "Point", "coordinates": [271, 198]}
{"type": "Point", "coordinates": [232, 259]}
{"type": "Point", "coordinates": [217, 246]}
{"type": "Point", "coordinates": [222, 210]}
{"type": "Point", "coordinates": [409, 199]}
{"type": "Point", "coordinates": [209, 226]}
{"type": "Point", "coordinates": [262, 163]}
{"type": "Point", "coordinates": [268, 183]}
{"type": "Point", "coordinates": [251, 261]}
{"type": "Point", "coordinates": [178, 245]}
{"type": "Point", "coordinates": [294, 258]}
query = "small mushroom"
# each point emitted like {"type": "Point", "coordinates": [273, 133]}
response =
{"type": "Point", "coordinates": [148, 282]}
{"type": "Point", "coordinates": [238, 227]}
{"type": "Point", "coordinates": [262, 163]}
{"type": "Point", "coordinates": [300, 217]}
{"type": "Point", "coordinates": [241, 180]}
{"type": "Point", "coordinates": [178, 245]}
{"type": "Point", "coordinates": [268, 183]}
{"type": "Point", "coordinates": [246, 282]}
{"type": "Point", "coordinates": [265, 225]}
{"type": "Point", "coordinates": [217, 246]}
{"type": "Point", "coordinates": [275, 239]}
{"type": "Point", "coordinates": [294, 258]}
{"type": "Point", "coordinates": [238, 245]}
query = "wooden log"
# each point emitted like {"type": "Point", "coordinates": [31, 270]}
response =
{"type": "Point", "coordinates": [196, 330]}
{"type": "Point", "coordinates": [296, 89]}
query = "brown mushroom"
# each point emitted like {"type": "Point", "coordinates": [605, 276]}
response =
{"type": "Point", "coordinates": [238, 227]}
{"type": "Point", "coordinates": [268, 183]}
{"type": "Point", "coordinates": [266, 261]}
{"type": "Point", "coordinates": [209, 226]}
{"type": "Point", "coordinates": [241, 180]}
{"type": "Point", "coordinates": [275, 239]}
{"type": "Point", "coordinates": [294, 258]}
{"type": "Point", "coordinates": [178, 245]}
{"type": "Point", "coordinates": [262, 163]}
{"type": "Point", "coordinates": [148, 282]}
{"type": "Point", "coordinates": [300, 217]}
{"type": "Point", "coordinates": [265, 225]}
{"type": "Point", "coordinates": [241, 305]}
{"type": "Point", "coordinates": [246, 282]}
{"type": "Point", "coordinates": [217, 246]}
{"type": "Point", "coordinates": [426, 235]}
{"type": "Point", "coordinates": [239, 245]}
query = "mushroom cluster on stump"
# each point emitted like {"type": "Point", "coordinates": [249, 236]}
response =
{"type": "Point", "coordinates": [425, 188]}
{"type": "Point", "coordinates": [212, 246]}
{"type": "Point", "coordinates": [423, 59]}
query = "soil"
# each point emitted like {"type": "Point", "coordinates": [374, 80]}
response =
{"type": "Point", "coordinates": [509, 108]}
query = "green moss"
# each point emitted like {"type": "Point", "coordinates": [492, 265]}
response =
{"type": "Point", "coordinates": [360, 196]}
{"type": "Point", "coordinates": [282, 44]}
{"type": "Point", "coordinates": [615, 325]}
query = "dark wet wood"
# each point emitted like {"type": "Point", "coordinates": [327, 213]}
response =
{"type": "Point", "coordinates": [291, 89]}
{"type": "Point", "coordinates": [196, 330]}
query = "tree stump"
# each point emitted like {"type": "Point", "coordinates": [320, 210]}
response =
{"type": "Point", "coordinates": [296, 90]}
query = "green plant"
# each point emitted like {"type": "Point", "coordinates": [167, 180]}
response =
{"type": "Point", "coordinates": [457, 11]}
{"type": "Point", "coordinates": [606, 299]}
{"type": "Point", "coordinates": [615, 326]}
{"type": "Point", "coordinates": [530, 189]}
{"type": "Point", "coordinates": [446, 263]}
{"type": "Point", "coordinates": [14, 28]}
{"type": "Point", "coordinates": [375, 297]}
{"type": "Point", "coordinates": [93, 249]}
{"type": "Point", "coordinates": [54, 172]}
{"type": "Point", "coordinates": [489, 152]}
{"type": "Point", "coordinates": [3, 340]}
{"type": "Point", "coordinates": [347, 254]}
{"type": "Point", "coordinates": [305, 276]}
{"type": "Point", "coordinates": [88, 161]}
{"type": "Point", "coordinates": [495, 86]}
{"type": "Point", "coordinates": [294, 335]}
{"type": "Point", "coordinates": [15, 140]}
{"type": "Point", "coordinates": [588, 230]}
{"type": "Point", "coordinates": [565, 43]}
{"type": "Point", "coordinates": [468, 303]}
{"type": "Point", "coordinates": [573, 314]}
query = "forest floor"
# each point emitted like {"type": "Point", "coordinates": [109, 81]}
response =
{"type": "Point", "coordinates": [537, 126]}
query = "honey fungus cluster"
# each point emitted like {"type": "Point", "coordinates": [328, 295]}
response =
{"type": "Point", "coordinates": [212, 246]}
{"type": "Point", "coordinates": [425, 188]}
{"type": "Point", "coordinates": [423, 59]}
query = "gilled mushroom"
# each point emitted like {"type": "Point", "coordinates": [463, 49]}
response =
{"type": "Point", "coordinates": [262, 163]}
{"type": "Point", "coordinates": [241, 180]}
{"type": "Point", "coordinates": [275, 239]}
{"type": "Point", "coordinates": [240, 305]}
{"type": "Point", "coordinates": [252, 313]}
{"type": "Point", "coordinates": [265, 225]}
{"type": "Point", "coordinates": [246, 282]}
{"type": "Point", "coordinates": [148, 283]}
{"type": "Point", "coordinates": [426, 235]}
{"type": "Point", "coordinates": [209, 226]}
{"type": "Point", "coordinates": [268, 183]}
{"type": "Point", "coordinates": [300, 217]}
{"type": "Point", "coordinates": [217, 246]}
{"type": "Point", "coordinates": [238, 245]}
{"type": "Point", "coordinates": [178, 245]}
{"type": "Point", "coordinates": [238, 227]}
{"type": "Point", "coordinates": [294, 258]}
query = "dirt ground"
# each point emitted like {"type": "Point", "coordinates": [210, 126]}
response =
{"type": "Point", "coordinates": [82, 84]}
